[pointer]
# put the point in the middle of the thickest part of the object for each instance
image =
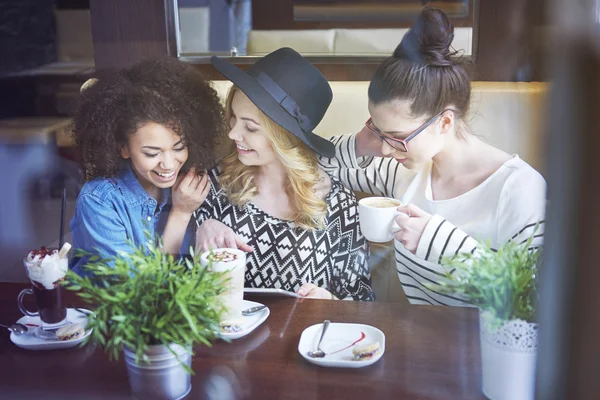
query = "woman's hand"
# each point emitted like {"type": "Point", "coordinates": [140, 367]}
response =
{"type": "Point", "coordinates": [412, 223]}
{"type": "Point", "coordinates": [311, 291]}
{"type": "Point", "coordinates": [189, 192]}
{"type": "Point", "coordinates": [367, 144]}
{"type": "Point", "coordinates": [213, 234]}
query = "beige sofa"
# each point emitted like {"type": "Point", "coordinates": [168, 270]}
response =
{"type": "Point", "coordinates": [506, 114]}
{"type": "Point", "coordinates": [341, 41]}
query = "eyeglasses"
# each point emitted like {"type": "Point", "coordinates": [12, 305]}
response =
{"type": "Point", "coordinates": [401, 144]}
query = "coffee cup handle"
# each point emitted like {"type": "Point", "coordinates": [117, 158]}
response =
{"type": "Point", "coordinates": [22, 307]}
{"type": "Point", "coordinates": [395, 227]}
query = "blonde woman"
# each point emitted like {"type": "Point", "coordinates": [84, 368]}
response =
{"type": "Point", "coordinates": [269, 196]}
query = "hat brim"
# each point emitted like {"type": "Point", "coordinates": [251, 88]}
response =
{"type": "Point", "coordinates": [268, 105]}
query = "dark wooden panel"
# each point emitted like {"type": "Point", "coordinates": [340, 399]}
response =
{"type": "Point", "coordinates": [503, 40]}
{"type": "Point", "coordinates": [279, 14]}
{"type": "Point", "coordinates": [72, 4]}
{"type": "Point", "coordinates": [126, 31]}
{"type": "Point", "coordinates": [333, 68]}
{"type": "Point", "coordinates": [504, 36]}
{"type": "Point", "coordinates": [27, 36]}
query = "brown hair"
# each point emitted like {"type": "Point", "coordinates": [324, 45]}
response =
{"type": "Point", "coordinates": [165, 91]}
{"type": "Point", "coordinates": [424, 70]}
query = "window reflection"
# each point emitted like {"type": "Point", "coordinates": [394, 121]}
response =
{"type": "Point", "coordinates": [311, 27]}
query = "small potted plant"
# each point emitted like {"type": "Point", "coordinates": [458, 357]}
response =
{"type": "Point", "coordinates": [154, 308]}
{"type": "Point", "coordinates": [503, 283]}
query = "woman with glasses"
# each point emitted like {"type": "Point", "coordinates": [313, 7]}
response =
{"type": "Point", "coordinates": [456, 189]}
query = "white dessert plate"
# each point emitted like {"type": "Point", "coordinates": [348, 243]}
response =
{"type": "Point", "coordinates": [31, 341]}
{"type": "Point", "coordinates": [338, 343]}
{"type": "Point", "coordinates": [250, 322]}
{"type": "Point", "coordinates": [270, 292]}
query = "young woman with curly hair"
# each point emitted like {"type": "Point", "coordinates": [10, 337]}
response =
{"type": "Point", "coordinates": [269, 196]}
{"type": "Point", "coordinates": [145, 133]}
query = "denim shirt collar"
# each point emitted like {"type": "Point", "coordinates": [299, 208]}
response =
{"type": "Point", "coordinates": [133, 191]}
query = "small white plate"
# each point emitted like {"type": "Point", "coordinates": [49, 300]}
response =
{"type": "Point", "coordinates": [250, 322]}
{"type": "Point", "coordinates": [340, 336]}
{"type": "Point", "coordinates": [31, 341]}
{"type": "Point", "coordinates": [270, 292]}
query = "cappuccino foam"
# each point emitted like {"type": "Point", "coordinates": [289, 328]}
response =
{"type": "Point", "coordinates": [382, 203]}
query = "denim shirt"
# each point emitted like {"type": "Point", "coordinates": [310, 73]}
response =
{"type": "Point", "coordinates": [111, 211]}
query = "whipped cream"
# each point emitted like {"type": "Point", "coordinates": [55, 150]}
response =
{"type": "Point", "coordinates": [224, 259]}
{"type": "Point", "coordinates": [46, 267]}
{"type": "Point", "coordinates": [222, 256]}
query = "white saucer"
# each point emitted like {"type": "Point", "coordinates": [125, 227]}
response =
{"type": "Point", "coordinates": [31, 341]}
{"type": "Point", "coordinates": [337, 337]}
{"type": "Point", "coordinates": [251, 322]}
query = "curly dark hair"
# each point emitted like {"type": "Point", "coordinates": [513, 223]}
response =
{"type": "Point", "coordinates": [165, 91]}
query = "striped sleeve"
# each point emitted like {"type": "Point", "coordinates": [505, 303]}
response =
{"type": "Point", "coordinates": [345, 155]}
{"type": "Point", "coordinates": [442, 239]}
{"type": "Point", "coordinates": [535, 231]}
{"type": "Point", "coordinates": [375, 175]}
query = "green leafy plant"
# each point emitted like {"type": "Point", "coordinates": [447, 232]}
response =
{"type": "Point", "coordinates": [503, 282]}
{"type": "Point", "coordinates": [149, 298]}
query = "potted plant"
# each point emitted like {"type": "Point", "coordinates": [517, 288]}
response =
{"type": "Point", "coordinates": [154, 308]}
{"type": "Point", "coordinates": [503, 283]}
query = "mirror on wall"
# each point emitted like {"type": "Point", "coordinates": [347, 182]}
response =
{"type": "Point", "coordinates": [363, 28]}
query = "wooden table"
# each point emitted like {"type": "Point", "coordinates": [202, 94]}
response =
{"type": "Point", "coordinates": [431, 353]}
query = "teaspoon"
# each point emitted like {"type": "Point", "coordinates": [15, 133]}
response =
{"type": "Point", "coordinates": [18, 329]}
{"type": "Point", "coordinates": [318, 353]}
{"type": "Point", "coordinates": [253, 310]}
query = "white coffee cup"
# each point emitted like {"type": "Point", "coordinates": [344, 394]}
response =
{"type": "Point", "coordinates": [377, 218]}
{"type": "Point", "coordinates": [233, 263]}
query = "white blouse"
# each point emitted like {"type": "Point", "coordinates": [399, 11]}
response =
{"type": "Point", "coordinates": [508, 205]}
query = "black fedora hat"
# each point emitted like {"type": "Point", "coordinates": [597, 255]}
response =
{"type": "Point", "coordinates": [289, 90]}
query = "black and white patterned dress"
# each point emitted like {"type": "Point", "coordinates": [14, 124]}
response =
{"type": "Point", "coordinates": [285, 257]}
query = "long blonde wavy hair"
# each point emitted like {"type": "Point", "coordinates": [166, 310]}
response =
{"type": "Point", "coordinates": [300, 164]}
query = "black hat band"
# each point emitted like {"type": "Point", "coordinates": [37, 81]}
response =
{"type": "Point", "coordinates": [284, 100]}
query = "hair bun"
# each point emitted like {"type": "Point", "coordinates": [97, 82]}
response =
{"type": "Point", "coordinates": [429, 40]}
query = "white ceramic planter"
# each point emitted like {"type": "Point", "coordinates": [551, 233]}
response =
{"type": "Point", "coordinates": [163, 377]}
{"type": "Point", "coordinates": [508, 356]}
